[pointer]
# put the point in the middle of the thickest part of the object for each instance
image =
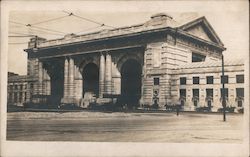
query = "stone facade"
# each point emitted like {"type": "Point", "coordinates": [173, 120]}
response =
{"type": "Point", "coordinates": [208, 90]}
{"type": "Point", "coordinates": [137, 65]}
{"type": "Point", "coordinates": [20, 89]}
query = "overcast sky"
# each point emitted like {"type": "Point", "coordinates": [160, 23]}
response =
{"type": "Point", "coordinates": [229, 20]}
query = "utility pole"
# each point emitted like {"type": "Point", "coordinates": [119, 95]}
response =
{"type": "Point", "coordinates": [223, 91]}
{"type": "Point", "coordinates": [36, 41]}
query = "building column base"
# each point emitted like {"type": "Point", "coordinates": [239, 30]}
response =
{"type": "Point", "coordinates": [188, 108]}
{"type": "Point", "coordinates": [68, 100]}
{"type": "Point", "coordinates": [214, 109]}
{"type": "Point", "coordinates": [103, 100]}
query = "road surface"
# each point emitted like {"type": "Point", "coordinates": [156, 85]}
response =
{"type": "Point", "coordinates": [124, 127]}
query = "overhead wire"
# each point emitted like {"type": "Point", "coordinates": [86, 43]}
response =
{"type": "Point", "coordinates": [18, 43]}
{"type": "Point", "coordinates": [29, 25]}
{"type": "Point", "coordinates": [49, 20]}
{"type": "Point", "coordinates": [17, 23]}
{"type": "Point", "coordinates": [83, 18]}
{"type": "Point", "coordinates": [36, 28]}
{"type": "Point", "coordinates": [56, 32]}
{"type": "Point", "coordinates": [88, 29]}
{"type": "Point", "coordinates": [86, 19]}
{"type": "Point", "coordinates": [101, 24]}
{"type": "Point", "coordinates": [18, 36]}
{"type": "Point", "coordinates": [93, 21]}
{"type": "Point", "coordinates": [22, 33]}
{"type": "Point", "coordinates": [45, 32]}
{"type": "Point", "coordinates": [36, 31]}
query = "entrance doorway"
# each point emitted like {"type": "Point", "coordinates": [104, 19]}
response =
{"type": "Point", "coordinates": [91, 80]}
{"type": "Point", "coordinates": [56, 72]}
{"type": "Point", "coordinates": [131, 83]}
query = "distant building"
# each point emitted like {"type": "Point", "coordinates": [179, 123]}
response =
{"type": "Point", "coordinates": [12, 74]}
{"type": "Point", "coordinates": [20, 89]}
{"type": "Point", "coordinates": [160, 61]}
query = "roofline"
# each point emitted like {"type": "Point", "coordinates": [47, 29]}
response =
{"type": "Point", "coordinates": [170, 29]}
{"type": "Point", "coordinates": [200, 39]}
{"type": "Point", "coordinates": [105, 38]}
{"type": "Point", "coordinates": [200, 19]}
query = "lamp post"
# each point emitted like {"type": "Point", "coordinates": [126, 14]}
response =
{"type": "Point", "coordinates": [223, 90]}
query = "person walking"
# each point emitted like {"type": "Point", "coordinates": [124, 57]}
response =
{"type": "Point", "coordinates": [177, 109]}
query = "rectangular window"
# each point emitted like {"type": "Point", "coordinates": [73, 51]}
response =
{"type": "Point", "coordinates": [196, 80]}
{"type": "Point", "coordinates": [210, 80]}
{"type": "Point", "coordinates": [226, 92]}
{"type": "Point", "coordinates": [20, 97]}
{"type": "Point", "coordinates": [240, 104]}
{"type": "Point", "coordinates": [209, 93]}
{"type": "Point", "coordinates": [225, 79]}
{"type": "Point", "coordinates": [239, 78]}
{"type": "Point", "coordinates": [195, 96]}
{"type": "Point", "coordinates": [183, 80]}
{"type": "Point", "coordinates": [31, 86]}
{"type": "Point", "coordinates": [15, 97]}
{"type": "Point", "coordinates": [25, 96]}
{"type": "Point", "coordinates": [156, 81]}
{"type": "Point", "coordinates": [240, 96]}
{"type": "Point", "coordinates": [240, 92]}
{"type": "Point", "coordinates": [196, 93]}
{"type": "Point", "coordinates": [198, 57]}
{"type": "Point", "coordinates": [183, 93]}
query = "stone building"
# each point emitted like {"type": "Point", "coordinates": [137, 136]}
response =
{"type": "Point", "coordinates": [19, 89]}
{"type": "Point", "coordinates": [138, 64]}
{"type": "Point", "coordinates": [199, 84]}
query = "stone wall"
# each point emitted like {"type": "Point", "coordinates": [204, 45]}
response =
{"type": "Point", "coordinates": [160, 59]}
{"type": "Point", "coordinates": [209, 69]}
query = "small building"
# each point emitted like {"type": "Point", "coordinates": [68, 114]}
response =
{"type": "Point", "coordinates": [19, 89]}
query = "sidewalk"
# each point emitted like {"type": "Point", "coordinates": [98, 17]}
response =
{"type": "Point", "coordinates": [76, 114]}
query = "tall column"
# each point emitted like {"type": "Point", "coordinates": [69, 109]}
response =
{"type": "Point", "coordinates": [71, 77]}
{"type": "Point", "coordinates": [23, 93]}
{"type": "Point", "coordinates": [48, 84]}
{"type": "Point", "coordinates": [28, 95]}
{"type": "Point", "coordinates": [116, 79]}
{"type": "Point", "coordinates": [101, 75]}
{"type": "Point", "coordinates": [66, 67]}
{"type": "Point", "coordinates": [18, 94]}
{"type": "Point", "coordinates": [68, 81]}
{"type": "Point", "coordinates": [12, 97]}
{"type": "Point", "coordinates": [8, 96]}
{"type": "Point", "coordinates": [78, 84]}
{"type": "Point", "coordinates": [44, 86]}
{"type": "Point", "coordinates": [108, 74]}
{"type": "Point", "coordinates": [40, 77]}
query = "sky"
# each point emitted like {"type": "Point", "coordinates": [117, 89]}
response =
{"type": "Point", "coordinates": [230, 23]}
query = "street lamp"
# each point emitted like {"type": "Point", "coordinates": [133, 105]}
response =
{"type": "Point", "coordinates": [223, 90]}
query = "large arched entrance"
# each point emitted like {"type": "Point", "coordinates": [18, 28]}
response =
{"type": "Point", "coordinates": [90, 75]}
{"type": "Point", "coordinates": [56, 74]}
{"type": "Point", "coordinates": [131, 82]}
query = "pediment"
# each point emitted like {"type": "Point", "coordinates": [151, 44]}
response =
{"type": "Point", "coordinates": [202, 29]}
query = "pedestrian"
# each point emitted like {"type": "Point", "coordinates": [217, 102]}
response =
{"type": "Point", "coordinates": [177, 110]}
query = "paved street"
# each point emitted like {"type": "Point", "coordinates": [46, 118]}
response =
{"type": "Point", "coordinates": [123, 127]}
